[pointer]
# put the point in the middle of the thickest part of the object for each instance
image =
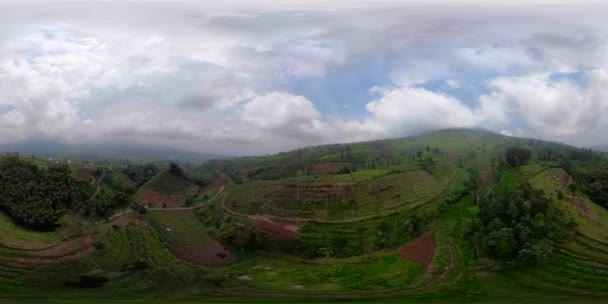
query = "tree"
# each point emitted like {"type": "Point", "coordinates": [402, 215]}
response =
{"type": "Point", "coordinates": [513, 223]}
{"type": "Point", "coordinates": [516, 156]}
{"type": "Point", "coordinates": [428, 163]}
{"type": "Point", "coordinates": [175, 169]}
{"type": "Point", "coordinates": [36, 197]}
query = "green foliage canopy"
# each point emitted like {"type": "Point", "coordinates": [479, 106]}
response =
{"type": "Point", "coordinates": [36, 197]}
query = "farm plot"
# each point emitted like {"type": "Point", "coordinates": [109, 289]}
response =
{"type": "Point", "coordinates": [180, 227]}
{"type": "Point", "coordinates": [156, 199]}
{"type": "Point", "coordinates": [385, 193]}
{"type": "Point", "coordinates": [33, 259]}
{"type": "Point", "coordinates": [328, 167]}
{"type": "Point", "coordinates": [567, 271]}
{"type": "Point", "coordinates": [188, 239]}
{"type": "Point", "coordinates": [83, 174]}
{"type": "Point", "coordinates": [420, 250]}
{"type": "Point", "coordinates": [211, 254]}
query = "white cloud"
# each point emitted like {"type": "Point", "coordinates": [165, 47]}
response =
{"type": "Point", "coordinates": [410, 109]}
{"type": "Point", "coordinates": [212, 78]}
{"type": "Point", "coordinates": [453, 83]}
{"type": "Point", "coordinates": [557, 109]}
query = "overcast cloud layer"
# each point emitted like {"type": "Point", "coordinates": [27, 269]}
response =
{"type": "Point", "coordinates": [255, 77]}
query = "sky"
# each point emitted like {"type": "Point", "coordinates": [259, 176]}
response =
{"type": "Point", "coordinates": [256, 77]}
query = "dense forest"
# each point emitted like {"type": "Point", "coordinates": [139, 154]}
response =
{"type": "Point", "coordinates": [37, 197]}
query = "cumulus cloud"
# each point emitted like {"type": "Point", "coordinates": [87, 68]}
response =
{"type": "Point", "coordinates": [551, 108]}
{"type": "Point", "coordinates": [416, 109]}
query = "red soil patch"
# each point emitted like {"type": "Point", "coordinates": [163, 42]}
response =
{"type": "Point", "coordinates": [219, 182]}
{"type": "Point", "coordinates": [279, 231]}
{"type": "Point", "coordinates": [486, 176]}
{"type": "Point", "coordinates": [583, 209]}
{"type": "Point", "coordinates": [158, 200]}
{"type": "Point", "coordinates": [212, 254]}
{"type": "Point", "coordinates": [328, 167]}
{"type": "Point", "coordinates": [420, 250]}
{"type": "Point", "coordinates": [452, 156]}
{"type": "Point", "coordinates": [84, 174]}
{"type": "Point", "coordinates": [565, 179]}
{"type": "Point", "coordinates": [32, 259]}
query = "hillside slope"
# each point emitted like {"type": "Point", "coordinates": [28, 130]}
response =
{"type": "Point", "coordinates": [455, 215]}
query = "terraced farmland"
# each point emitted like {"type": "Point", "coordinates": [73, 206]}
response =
{"type": "Point", "coordinates": [567, 272]}
{"type": "Point", "coordinates": [188, 239]}
{"type": "Point", "coordinates": [167, 189]}
{"type": "Point", "coordinates": [339, 198]}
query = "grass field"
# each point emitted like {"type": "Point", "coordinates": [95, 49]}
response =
{"type": "Point", "coordinates": [11, 232]}
{"type": "Point", "coordinates": [185, 228]}
{"type": "Point", "coordinates": [591, 219]}
{"type": "Point", "coordinates": [380, 270]}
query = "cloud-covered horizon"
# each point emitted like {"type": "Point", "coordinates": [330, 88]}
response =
{"type": "Point", "coordinates": [255, 77]}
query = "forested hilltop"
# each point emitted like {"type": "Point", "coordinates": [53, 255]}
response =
{"type": "Point", "coordinates": [456, 214]}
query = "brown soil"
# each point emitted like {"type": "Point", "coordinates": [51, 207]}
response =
{"type": "Point", "coordinates": [420, 250]}
{"type": "Point", "coordinates": [277, 230]}
{"type": "Point", "coordinates": [84, 174]}
{"type": "Point", "coordinates": [158, 200]}
{"type": "Point", "coordinates": [486, 176]}
{"type": "Point", "coordinates": [452, 156]}
{"type": "Point", "coordinates": [583, 209]}
{"type": "Point", "coordinates": [212, 254]}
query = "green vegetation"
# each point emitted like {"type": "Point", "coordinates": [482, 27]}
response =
{"type": "Point", "coordinates": [179, 227]}
{"type": "Point", "coordinates": [170, 182]}
{"type": "Point", "coordinates": [140, 174]}
{"type": "Point", "coordinates": [36, 197]}
{"type": "Point", "coordinates": [337, 198]}
{"type": "Point", "coordinates": [126, 257]}
{"type": "Point", "coordinates": [508, 219]}
{"type": "Point", "coordinates": [11, 232]}
{"type": "Point", "coordinates": [377, 271]}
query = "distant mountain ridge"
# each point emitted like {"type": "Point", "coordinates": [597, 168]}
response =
{"type": "Point", "coordinates": [107, 152]}
{"type": "Point", "coordinates": [603, 148]}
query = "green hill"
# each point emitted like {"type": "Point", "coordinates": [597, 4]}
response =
{"type": "Point", "coordinates": [449, 216]}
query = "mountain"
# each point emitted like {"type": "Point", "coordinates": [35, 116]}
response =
{"type": "Point", "coordinates": [107, 152]}
{"type": "Point", "coordinates": [602, 148]}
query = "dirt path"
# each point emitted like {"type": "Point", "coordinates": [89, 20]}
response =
{"type": "Point", "coordinates": [81, 208]}
{"type": "Point", "coordinates": [98, 187]}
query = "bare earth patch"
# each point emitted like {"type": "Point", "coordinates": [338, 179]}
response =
{"type": "Point", "coordinates": [276, 230]}
{"type": "Point", "coordinates": [420, 250]}
{"type": "Point", "coordinates": [212, 254]}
